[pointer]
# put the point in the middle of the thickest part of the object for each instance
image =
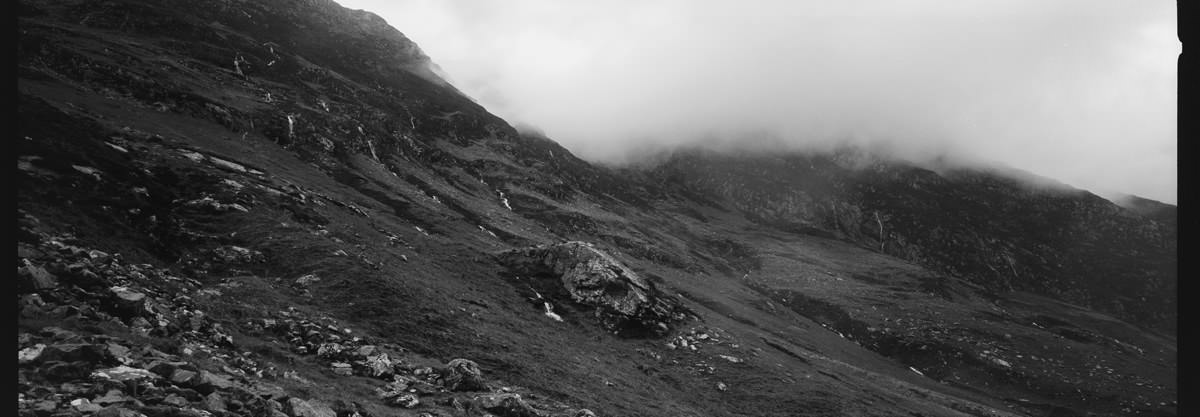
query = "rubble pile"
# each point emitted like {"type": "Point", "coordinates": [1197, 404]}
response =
{"type": "Point", "coordinates": [139, 346]}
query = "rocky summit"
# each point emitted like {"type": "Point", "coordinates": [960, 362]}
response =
{"type": "Point", "coordinates": [278, 208]}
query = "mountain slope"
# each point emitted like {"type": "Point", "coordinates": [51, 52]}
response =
{"type": "Point", "coordinates": [276, 207]}
{"type": "Point", "coordinates": [992, 229]}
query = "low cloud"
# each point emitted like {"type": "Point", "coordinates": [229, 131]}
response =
{"type": "Point", "coordinates": [1080, 91]}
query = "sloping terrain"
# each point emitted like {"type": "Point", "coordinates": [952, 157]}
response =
{"type": "Point", "coordinates": [275, 207]}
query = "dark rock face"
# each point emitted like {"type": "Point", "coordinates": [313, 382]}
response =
{"type": "Point", "coordinates": [622, 299]}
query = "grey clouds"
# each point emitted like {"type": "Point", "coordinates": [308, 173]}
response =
{"type": "Point", "coordinates": [1083, 92]}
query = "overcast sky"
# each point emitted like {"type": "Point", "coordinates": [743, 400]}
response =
{"type": "Point", "coordinates": [1082, 91]}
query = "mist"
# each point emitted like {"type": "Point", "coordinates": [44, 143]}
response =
{"type": "Point", "coordinates": [1083, 92]}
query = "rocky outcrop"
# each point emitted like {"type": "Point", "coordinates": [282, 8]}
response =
{"type": "Point", "coordinates": [464, 375]}
{"type": "Point", "coordinates": [623, 301]}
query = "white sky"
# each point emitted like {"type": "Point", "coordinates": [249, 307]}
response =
{"type": "Point", "coordinates": [1082, 91]}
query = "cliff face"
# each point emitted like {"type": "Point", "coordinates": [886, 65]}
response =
{"type": "Point", "coordinates": [277, 207]}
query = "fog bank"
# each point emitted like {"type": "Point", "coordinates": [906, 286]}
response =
{"type": "Point", "coordinates": [1080, 91]}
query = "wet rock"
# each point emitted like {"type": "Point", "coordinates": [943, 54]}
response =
{"type": "Point", "coordinates": [296, 407]}
{"type": "Point", "coordinates": [463, 375]}
{"type": "Point", "coordinates": [622, 299]}
{"type": "Point", "coordinates": [506, 405]}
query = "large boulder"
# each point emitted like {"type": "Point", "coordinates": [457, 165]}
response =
{"type": "Point", "coordinates": [463, 375]}
{"type": "Point", "coordinates": [624, 302]}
